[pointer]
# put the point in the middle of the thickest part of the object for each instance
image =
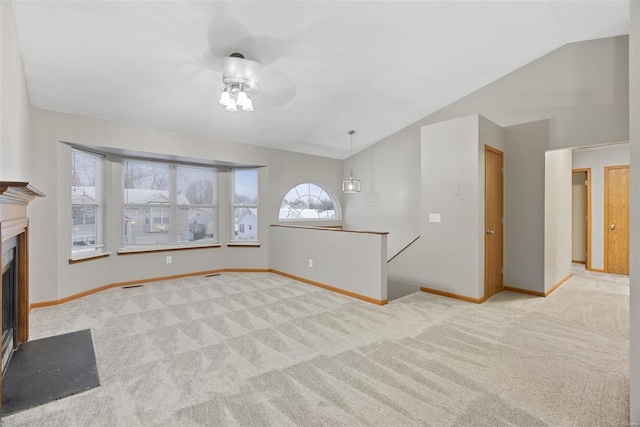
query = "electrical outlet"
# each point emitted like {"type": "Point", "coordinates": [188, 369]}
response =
{"type": "Point", "coordinates": [169, 260]}
{"type": "Point", "coordinates": [310, 263]}
{"type": "Point", "coordinates": [557, 265]}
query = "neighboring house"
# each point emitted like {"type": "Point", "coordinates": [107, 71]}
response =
{"type": "Point", "coordinates": [201, 227]}
{"type": "Point", "coordinates": [247, 226]}
{"type": "Point", "coordinates": [147, 214]}
{"type": "Point", "coordinates": [83, 216]}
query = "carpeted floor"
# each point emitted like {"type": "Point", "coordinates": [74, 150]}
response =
{"type": "Point", "coordinates": [254, 349]}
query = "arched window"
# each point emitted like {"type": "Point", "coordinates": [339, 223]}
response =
{"type": "Point", "coordinates": [309, 201]}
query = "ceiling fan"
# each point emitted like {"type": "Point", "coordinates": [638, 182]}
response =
{"type": "Point", "coordinates": [243, 78]}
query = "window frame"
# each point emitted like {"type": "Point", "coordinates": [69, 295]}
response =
{"type": "Point", "coordinates": [326, 190]}
{"type": "Point", "coordinates": [172, 206]}
{"type": "Point", "coordinates": [234, 206]}
{"type": "Point", "coordinates": [96, 248]}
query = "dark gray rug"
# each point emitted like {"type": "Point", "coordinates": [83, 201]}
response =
{"type": "Point", "coordinates": [49, 369]}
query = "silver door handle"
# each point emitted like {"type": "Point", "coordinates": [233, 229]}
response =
{"type": "Point", "coordinates": [612, 226]}
{"type": "Point", "coordinates": [490, 231]}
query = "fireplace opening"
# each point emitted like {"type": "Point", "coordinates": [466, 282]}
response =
{"type": "Point", "coordinates": [9, 300]}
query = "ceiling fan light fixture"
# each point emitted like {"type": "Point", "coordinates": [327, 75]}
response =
{"type": "Point", "coordinates": [239, 79]}
{"type": "Point", "coordinates": [241, 98]}
{"type": "Point", "coordinates": [247, 105]}
{"type": "Point", "coordinates": [225, 96]}
{"type": "Point", "coordinates": [231, 106]}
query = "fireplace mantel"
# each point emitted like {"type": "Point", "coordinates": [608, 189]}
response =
{"type": "Point", "coordinates": [14, 197]}
{"type": "Point", "coordinates": [18, 193]}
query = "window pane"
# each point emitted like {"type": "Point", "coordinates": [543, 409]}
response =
{"type": "Point", "coordinates": [196, 186]}
{"type": "Point", "coordinates": [246, 223]}
{"type": "Point", "coordinates": [146, 225]}
{"type": "Point", "coordinates": [86, 182]}
{"type": "Point", "coordinates": [83, 177]}
{"type": "Point", "coordinates": [83, 172]}
{"type": "Point", "coordinates": [307, 201]}
{"type": "Point", "coordinates": [84, 230]}
{"type": "Point", "coordinates": [146, 183]}
{"type": "Point", "coordinates": [195, 224]}
{"type": "Point", "coordinates": [245, 187]}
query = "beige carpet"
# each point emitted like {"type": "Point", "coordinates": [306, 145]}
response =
{"type": "Point", "coordinates": [258, 349]}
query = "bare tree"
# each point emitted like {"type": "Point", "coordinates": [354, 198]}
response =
{"type": "Point", "coordinates": [146, 175]}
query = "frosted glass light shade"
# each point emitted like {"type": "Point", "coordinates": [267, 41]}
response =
{"type": "Point", "coordinates": [247, 105]}
{"type": "Point", "coordinates": [351, 185]}
{"type": "Point", "coordinates": [225, 97]}
{"type": "Point", "coordinates": [241, 98]}
{"type": "Point", "coordinates": [231, 106]}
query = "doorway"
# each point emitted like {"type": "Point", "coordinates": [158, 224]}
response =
{"type": "Point", "coordinates": [493, 213]}
{"type": "Point", "coordinates": [616, 214]}
{"type": "Point", "coordinates": [581, 217]}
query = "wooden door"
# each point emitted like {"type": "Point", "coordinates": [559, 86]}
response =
{"type": "Point", "coordinates": [616, 213]}
{"type": "Point", "coordinates": [493, 211]}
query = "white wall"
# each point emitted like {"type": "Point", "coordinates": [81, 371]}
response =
{"type": "Point", "coordinates": [557, 217]}
{"type": "Point", "coordinates": [354, 262]}
{"type": "Point", "coordinates": [15, 120]}
{"type": "Point", "coordinates": [597, 159]}
{"type": "Point", "coordinates": [634, 138]}
{"type": "Point", "coordinates": [53, 278]}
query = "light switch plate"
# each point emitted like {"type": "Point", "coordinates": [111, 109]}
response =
{"type": "Point", "coordinates": [434, 217]}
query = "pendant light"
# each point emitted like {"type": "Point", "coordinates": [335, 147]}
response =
{"type": "Point", "coordinates": [351, 185]}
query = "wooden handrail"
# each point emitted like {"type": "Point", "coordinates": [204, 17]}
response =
{"type": "Point", "coordinates": [329, 229]}
{"type": "Point", "coordinates": [401, 250]}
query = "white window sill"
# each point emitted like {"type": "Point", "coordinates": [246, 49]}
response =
{"type": "Point", "coordinates": [83, 258]}
{"type": "Point", "coordinates": [166, 248]}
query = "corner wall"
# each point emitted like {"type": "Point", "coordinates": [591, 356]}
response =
{"type": "Point", "coordinates": [449, 256]}
{"type": "Point", "coordinates": [543, 106]}
{"type": "Point", "coordinates": [557, 217]}
{"type": "Point", "coordinates": [15, 107]}
{"type": "Point", "coordinates": [524, 172]}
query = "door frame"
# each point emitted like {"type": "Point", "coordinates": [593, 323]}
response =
{"type": "Point", "coordinates": [606, 213]}
{"type": "Point", "coordinates": [486, 262]}
{"type": "Point", "coordinates": [588, 210]}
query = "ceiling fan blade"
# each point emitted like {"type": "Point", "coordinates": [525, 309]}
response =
{"type": "Point", "coordinates": [276, 89]}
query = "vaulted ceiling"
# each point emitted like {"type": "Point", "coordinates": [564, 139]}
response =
{"type": "Point", "coordinates": [328, 67]}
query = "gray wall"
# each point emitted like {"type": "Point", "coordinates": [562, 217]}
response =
{"type": "Point", "coordinates": [452, 174]}
{"type": "Point", "coordinates": [353, 262]}
{"type": "Point", "coordinates": [634, 101]}
{"type": "Point", "coordinates": [15, 119]}
{"type": "Point", "coordinates": [524, 205]}
{"type": "Point", "coordinates": [51, 275]}
{"type": "Point", "coordinates": [578, 216]}
{"type": "Point", "coordinates": [390, 196]}
{"type": "Point", "coordinates": [597, 159]}
{"type": "Point", "coordinates": [576, 95]}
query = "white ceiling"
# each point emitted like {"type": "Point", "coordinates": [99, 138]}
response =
{"type": "Point", "coordinates": [375, 67]}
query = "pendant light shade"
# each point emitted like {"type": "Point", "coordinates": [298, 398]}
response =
{"type": "Point", "coordinates": [351, 185]}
